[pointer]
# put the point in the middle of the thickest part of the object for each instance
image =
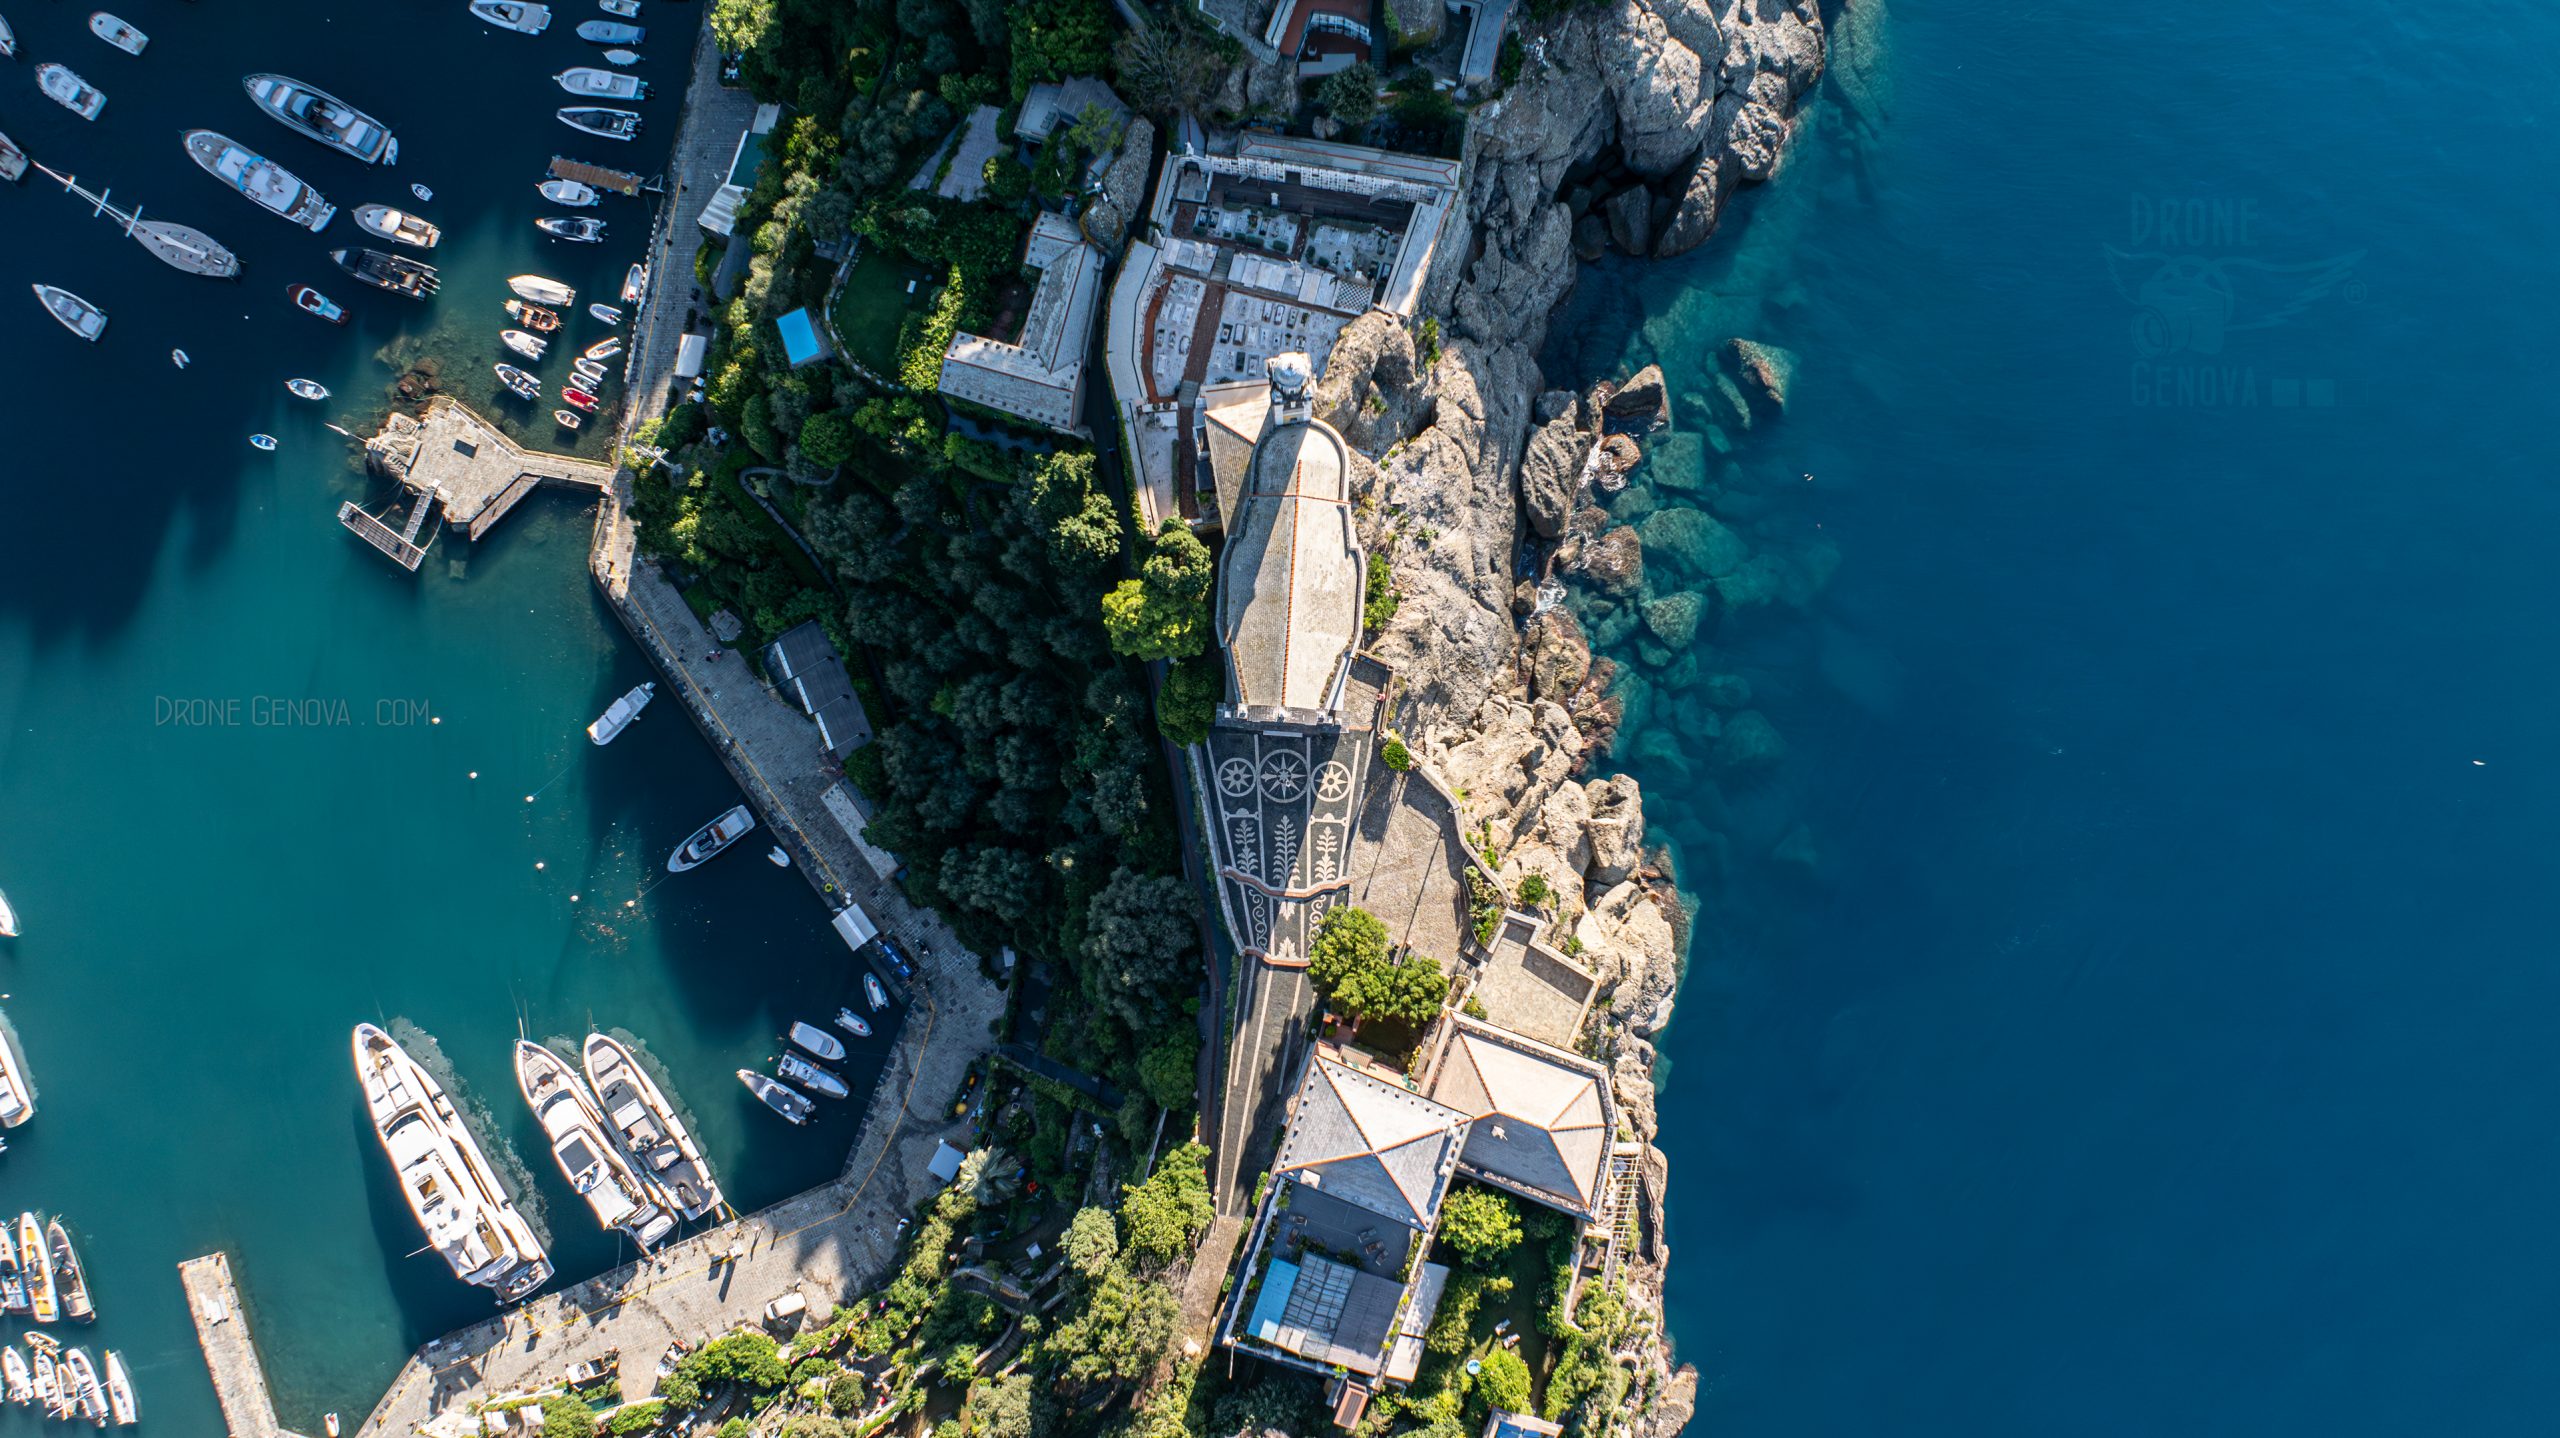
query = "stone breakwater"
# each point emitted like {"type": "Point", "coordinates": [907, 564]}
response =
{"type": "Point", "coordinates": [1631, 124]}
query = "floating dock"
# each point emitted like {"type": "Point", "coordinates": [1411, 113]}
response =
{"type": "Point", "coordinates": [239, 1381]}
{"type": "Point", "coordinates": [451, 457]}
{"type": "Point", "coordinates": [621, 182]}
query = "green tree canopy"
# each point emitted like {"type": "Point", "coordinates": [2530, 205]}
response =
{"type": "Point", "coordinates": [1092, 1240]}
{"type": "Point", "coordinates": [1000, 1408]}
{"type": "Point", "coordinates": [1350, 96]}
{"type": "Point", "coordinates": [827, 437]}
{"type": "Point", "coordinates": [1164, 612]}
{"type": "Point", "coordinates": [1170, 1209]}
{"type": "Point", "coordinates": [1120, 1333]}
{"type": "Point", "coordinates": [1410, 992]}
{"type": "Point", "coordinates": [1349, 940]}
{"type": "Point", "coordinates": [1169, 1069]}
{"type": "Point", "coordinates": [568, 1417]}
{"type": "Point", "coordinates": [1188, 703]}
{"type": "Point", "coordinates": [1480, 1225]}
{"type": "Point", "coordinates": [1504, 1381]}
{"type": "Point", "coordinates": [1141, 943]}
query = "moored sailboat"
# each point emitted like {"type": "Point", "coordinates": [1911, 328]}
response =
{"type": "Point", "coordinates": [451, 1188]}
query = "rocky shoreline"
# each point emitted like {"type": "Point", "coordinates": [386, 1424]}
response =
{"type": "Point", "coordinates": [1629, 126]}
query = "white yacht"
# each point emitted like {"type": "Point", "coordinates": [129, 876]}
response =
{"type": "Point", "coordinates": [8, 919]}
{"type": "Point", "coordinates": [17, 1095]}
{"type": "Point", "coordinates": [120, 1391]}
{"type": "Point", "coordinates": [618, 716]}
{"type": "Point", "coordinates": [469, 1220]}
{"type": "Point", "coordinates": [542, 289]}
{"type": "Point", "coordinates": [594, 1165]}
{"type": "Point", "coordinates": [645, 1124]}
{"type": "Point", "coordinates": [707, 841]}
{"type": "Point", "coordinates": [506, 15]}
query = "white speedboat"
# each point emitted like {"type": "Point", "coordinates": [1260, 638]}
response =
{"type": "Point", "coordinates": [315, 114]}
{"type": "Point", "coordinates": [48, 1380]}
{"type": "Point", "coordinates": [568, 418]}
{"type": "Point", "coordinates": [593, 1163]}
{"type": "Point", "coordinates": [120, 1391]}
{"type": "Point", "coordinates": [65, 88]}
{"type": "Point", "coordinates": [425, 195]}
{"type": "Point", "coordinates": [781, 1097]}
{"type": "Point", "coordinates": [398, 225]}
{"type": "Point", "coordinates": [518, 383]}
{"type": "Point", "coordinates": [8, 919]}
{"type": "Point", "coordinates": [817, 1041]}
{"type": "Point", "coordinates": [604, 349]}
{"type": "Point", "coordinates": [588, 82]}
{"type": "Point", "coordinates": [707, 841]}
{"type": "Point", "coordinates": [76, 314]}
{"type": "Point", "coordinates": [542, 289]}
{"type": "Point", "coordinates": [73, 1280]}
{"type": "Point", "coordinates": [589, 374]}
{"type": "Point", "coordinates": [508, 15]}
{"type": "Point", "coordinates": [530, 346]}
{"type": "Point", "coordinates": [117, 33]}
{"type": "Point", "coordinates": [600, 122]}
{"type": "Point", "coordinates": [568, 192]}
{"type": "Point", "coordinates": [88, 1395]}
{"type": "Point", "coordinates": [451, 1187]}
{"type": "Point", "coordinates": [584, 229]}
{"type": "Point", "coordinates": [307, 389]}
{"type": "Point", "coordinates": [634, 281]}
{"type": "Point", "coordinates": [178, 358]}
{"type": "Point", "coordinates": [627, 9]}
{"type": "Point", "coordinates": [644, 1122]}
{"type": "Point", "coordinates": [20, 1378]}
{"type": "Point", "coordinates": [619, 714]}
{"type": "Point", "coordinates": [269, 185]}
{"type": "Point", "coordinates": [853, 1023]}
{"type": "Point", "coordinates": [17, 1105]}
{"type": "Point", "coordinates": [610, 32]}
{"type": "Point", "coordinates": [871, 990]}
{"type": "Point", "coordinates": [811, 1077]}
{"type": "Point", "coordinates": [605, 312]}
{"type": "Point", "coordinates": [622, 57]}
{"type": "Point", "coordinates": [776, 857]}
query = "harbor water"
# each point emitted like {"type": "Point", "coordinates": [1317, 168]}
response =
{"type": "Point", "coordinates": [2124, 1006]}
{"type": "Point", "coordinates": [238, 748]}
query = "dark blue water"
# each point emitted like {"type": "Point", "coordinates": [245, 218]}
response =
{"type": "Point", "coordinates": [216, 887]}
{"type": "Point", "coordinates": [2147, 1028]}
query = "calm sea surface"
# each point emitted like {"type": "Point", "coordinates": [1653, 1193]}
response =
{"type": "Point", "coordinates": [2127, 1007]}
{"type": "Point", "coordinates": [216, 888]}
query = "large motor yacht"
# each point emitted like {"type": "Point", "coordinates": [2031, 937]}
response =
{"type": "Point", "coordinates": [645, 1124]}
{"type": "Point", "coordinates": [469, 1220]}
{"type": "Point", "coordinates": [593, 1163]}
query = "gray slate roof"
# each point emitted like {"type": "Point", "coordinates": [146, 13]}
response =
{"type": "Point", "coordinates": [1371, 1143]}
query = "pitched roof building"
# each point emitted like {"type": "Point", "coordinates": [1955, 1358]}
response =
{"type": "Point", "coordinates": [1543, 1123]}
{"type": "Point", "coordinates": [1289, 589]}
{"type": "Point", "coordinates": [1039, 374]}
{"type": "Point", "coordinates": [1371, 1144]}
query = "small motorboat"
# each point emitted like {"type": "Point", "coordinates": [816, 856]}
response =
{"type": "Point", "coordinates": [602, 123]}
{"type": "Point", "coordinates": [627, 9]}
{"type": "Point", "coordinates": [13, 161]}
{"type": "Point", "coordinates": [266, 442]}
{"type": "Point", "coordinates": [706, 842]}
{"type": "Point", "coordinates": [120, 1391]}
{"type": "Point", "coordinates": [76, 314]}
{"type": "Point", "coordinates": [308, 389]}
{"type": "Point", "coordinates": [605, 312]}
{"type": "Point", "coordinates": [518, 383]}
{"type": "Point", "coordinates": [534, 317]}
{"type": "Point", "coordinates": [871, 990]}
{"type": "Point", "coordinates": [86, 1392]}
{"type": "Point", "coordinates": [8, 40]}
{"type": "Point", "coordinates": [853, 1023]}
{"type": "Point", "coordinates": [8, 919]}
{"type": "Point", "coordinates": [604, 349]}
{"type": "Point", "coordinates": [635, 280]}
{"type": "Point", "coordinates": [323, 118]}
{"type": "Point", "coordinates": [817, 1041]}
{"type": "Point", "coordinates": [48, 1381]}
{"type": "Point", "coordinates": [508, 15]}
{"type": "Point", "coordinates": [589, 377]}
{"type": "Point", "coordinates": [619, 714]}
{"type": "Point", "coordinates": [811, 1077]}
{"type": "Point", "coordinates": [782, 1098]}
{"type": "Point", "coordinates": [178, 358]}
{"type": "Point", "coordinates": [312, 302]}
{"type": "Point", "coordinates": [117, 33]}
{"type": "Point", "coordinates": [776, 857]}
{"type": "Point", "coordinates": [610, 32]}
{"type": "Point", "coordinates": [623, 57]}
{"type": "Point", "coordinates": [530, 346]}
{"type": "Point", "coordinates": [568, 192]}
{"type": "Point", "coordinates": [37, 1264]}
{"type": "Point", "coordinates": [567, 418]}
{"type": "Point", "coordinates": [398, 226]}
{"type": "Point", "coordinates": [422, 192]}
{"type": "Point", "coordinates": [396, 273]}
{"type": "Point", "coordinates": [584, 230]}
{"type": "Point", "coordinates": [329, 1424]}
{"type": "Point", "coordinates": [64, 88]}
{"type": "Point", "coordinates": [542, 290]}
{"type": "Point", "coordinates": [76, 1303]}
{"type": "Point", "coordinates": [581, 399]}
{"type": "Point", "coordinates": [20, 1378]}
{"type": "Point", "coordinates": [588, 82]}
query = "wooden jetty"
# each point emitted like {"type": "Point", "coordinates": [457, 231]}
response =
{"type": "Point", "coordinates": [239, 1380]}
{"type": "Point", "coordinates": [450, 456]}
{"type": "Point", "coordinates": [621, 182]}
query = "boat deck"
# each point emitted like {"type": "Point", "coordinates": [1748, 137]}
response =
{"type": "Point", "coordinates": [451, 457]}
{"type": "Point", "coordinates": [239, 1380]}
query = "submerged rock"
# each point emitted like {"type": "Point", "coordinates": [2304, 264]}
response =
{"type": "Point", "coordinates": [1728, 691]}
{"type": "Point", "coordinates": [1749, 742]}
{"type": "Point", "coordinates": [1674, 619]}
{"type": "Point", "coordinates": [1615, 561]}
{"type": "Point", "coordinates": [1765, 371]}
{"type": "Point", "coordinates": [1692, 541]}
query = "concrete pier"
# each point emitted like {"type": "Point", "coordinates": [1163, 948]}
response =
{"type": "Point", "coordinates": [450, 456]}
{"type": "Point", "coordinates": [239, 1381]}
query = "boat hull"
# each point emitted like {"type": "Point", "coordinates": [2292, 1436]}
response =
{"type": "Point", "coordinates": [714, 838]}
{"type": "Point", "coordinates": [645, 1123]}
{"type": "Point", "coordinates": [323, 118]}
{"type": "Point", "coordinates": [591, 1161]}
{"type": "Point", "coordinates": [263, 182]}
{"type": "Point", "coordinates": [452, 1190]}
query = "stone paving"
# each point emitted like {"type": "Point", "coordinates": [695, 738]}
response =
{"type": "Point", "coordinates": [706, 139]}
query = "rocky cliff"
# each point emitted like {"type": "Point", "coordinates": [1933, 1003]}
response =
{"type": "Point", "coordinates": [1631, 123]}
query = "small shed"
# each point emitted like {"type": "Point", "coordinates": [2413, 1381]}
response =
{"type": "Point", "coordinates": [946, 1163]}
{"type": "Point", "coordinates": [692, 352]}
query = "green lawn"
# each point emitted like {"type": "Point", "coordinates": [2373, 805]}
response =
{"type": "Point", "coordinates": [872, 305]}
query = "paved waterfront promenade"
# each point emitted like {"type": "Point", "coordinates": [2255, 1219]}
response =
{"type": "Point", "coordinates": [239, 1381]}
{"type": "Point", "coordinates": [706, 138]}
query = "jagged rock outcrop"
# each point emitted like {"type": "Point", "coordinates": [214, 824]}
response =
{"type": "Point", "coordinates": [1630, 213]}
{"type": "Point", "coordinates": [1551, 475]}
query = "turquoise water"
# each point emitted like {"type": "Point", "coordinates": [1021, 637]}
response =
{"type": "Point", "coordinates": [2123, 1010]}
{"type": "Point", "coordinates": [234, 831]}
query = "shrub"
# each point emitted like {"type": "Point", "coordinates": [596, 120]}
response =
{"type": "Point", "coordinates": [1504, 1379]}
{"type": "Point", "coordinates": [1092, 1240]}
{"type": "Point", "coordinates": [845, 1393]}
{"type": "Point", "coordinates": [924, 337]}
{"type": "Point", "coordinates": [1534, 889]}
{"type": "Point", "coordinates": [1380, 600]}
{"type": "Point", "coordinates": [1169, 1069]}
{"type": "Point", "coordinates": [827, 438]}
{"type": "Point", "coordinates": [1166, 1212]}
{"type": "Point", "coordinates": [1395, 755]}
{"type": "Point", "coordinates": [567, 1417]}
{"type": "Point", "coordinates": [634, 1418]}
{"type": "Point", "coordinates": [1481, 1225]}
{"type": "Point", "coordinates": [1350, 96]}
{"type": "Point", "coordinates": [1188, 703]}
